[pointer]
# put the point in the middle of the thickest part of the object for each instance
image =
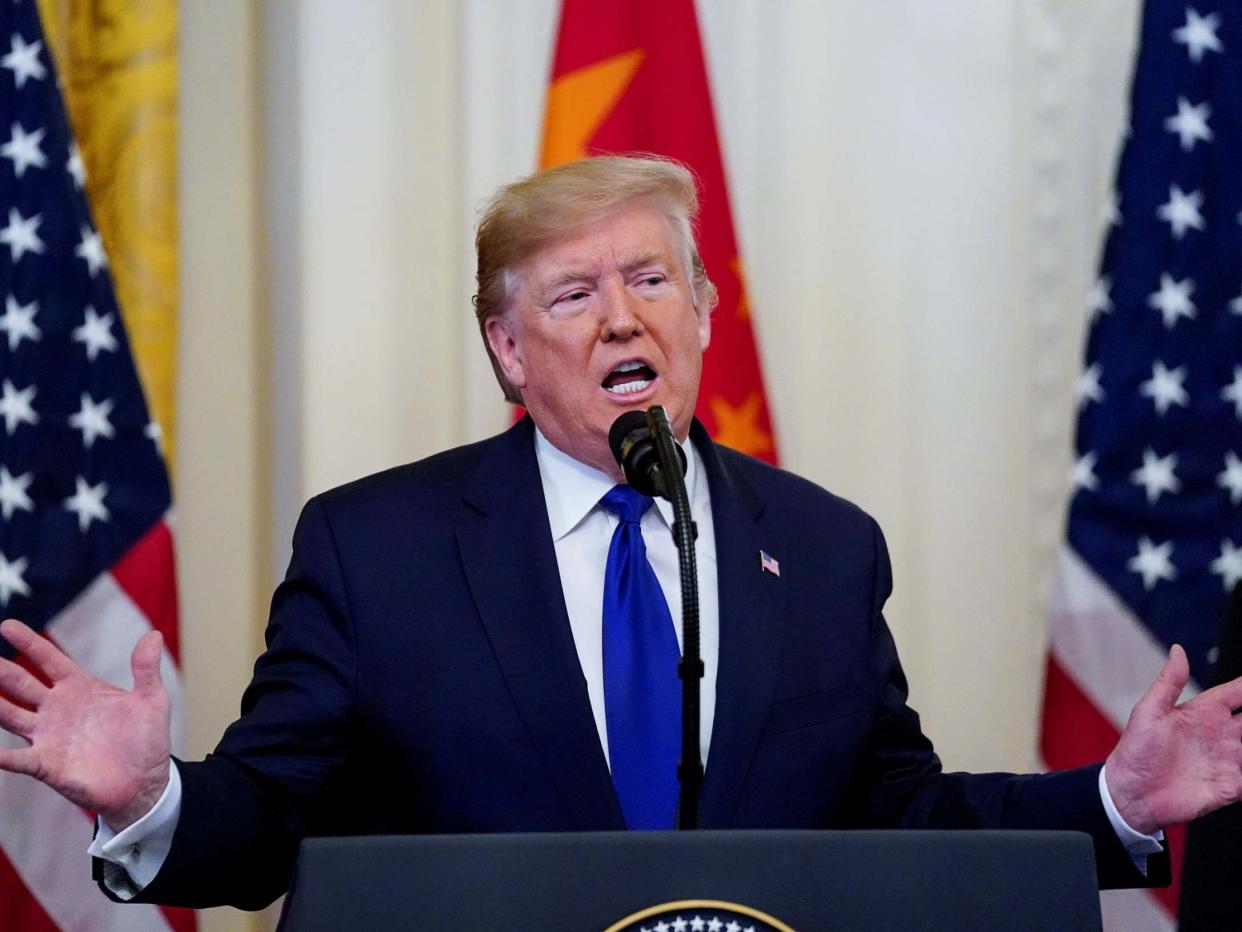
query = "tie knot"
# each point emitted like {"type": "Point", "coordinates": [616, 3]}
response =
{"type": "Point", "coordinates": [629, 506]}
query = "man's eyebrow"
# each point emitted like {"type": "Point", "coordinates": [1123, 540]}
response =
{"type": "Point", "coordinates": [647, 258]}
{"type": "Point", "coordinates": [568, 277]}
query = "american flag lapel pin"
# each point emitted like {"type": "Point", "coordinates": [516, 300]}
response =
{"type": "Point", "coordinates": [769, 563]}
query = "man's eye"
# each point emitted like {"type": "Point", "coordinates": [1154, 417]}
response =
{"type": "Point", "coordinates": [653, 279]}
{"type": "Point", "coordinates": [578, 295]}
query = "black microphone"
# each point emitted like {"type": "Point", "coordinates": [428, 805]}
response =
{"type": "Point", "coordinates": [632, 439]}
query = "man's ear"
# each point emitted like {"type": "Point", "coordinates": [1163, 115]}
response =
{"type": "Point", "coordinates": [507, 349]}
{"type": "Point", "coordinates": [705, 326]}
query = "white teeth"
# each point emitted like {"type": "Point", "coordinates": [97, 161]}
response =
{"type": "Point", "coordinates": [628, 367]}
{"type": "Point", "coordinates": [629, 388]}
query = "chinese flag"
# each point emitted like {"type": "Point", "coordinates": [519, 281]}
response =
{"type": "Point", "coordinates": [630, 77]}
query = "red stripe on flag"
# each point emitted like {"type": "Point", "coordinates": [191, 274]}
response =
{"type": "Point", "coordinates": [147, 574]}
{"type": "Point", "coordinates": [19, 910]}
{"type": "Point", "coordinates": [1075, 733]}
{"type": "Point", "coordinates": [181, 920]}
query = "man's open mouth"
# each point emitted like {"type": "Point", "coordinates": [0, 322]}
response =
{"type": "Point", "coordinates": [629, 378]}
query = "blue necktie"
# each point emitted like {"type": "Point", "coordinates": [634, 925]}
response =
{"type": "Point", "coordinates": [642, 696]}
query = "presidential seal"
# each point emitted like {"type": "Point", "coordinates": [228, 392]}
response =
{"type": "Point", "coordinates": [699, 916]}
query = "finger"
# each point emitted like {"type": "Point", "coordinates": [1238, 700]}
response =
{"type": "Point", "coordinates": [46, 656]}
{"type": "Point", "coordinates": [1170, 681]}
{"type": "Point", "coordinates": [19, 760]}
{"type": "Point", "coordinates": [1229, 693]}
{"type": "Point", "coordinates": [145, 662]}
{"type": "Point", "coordinates": [15, 719]}
{"type": "Point", "coordinates": [19, 684]}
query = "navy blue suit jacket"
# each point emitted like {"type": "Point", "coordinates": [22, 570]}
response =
{"type": "Point", "coordinates": [420, 676]}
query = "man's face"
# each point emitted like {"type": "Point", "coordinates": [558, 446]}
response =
{"type": "Point", "coordinates": [602, 322]}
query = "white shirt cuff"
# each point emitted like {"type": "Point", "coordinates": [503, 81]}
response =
{"type": "Point", "coordinates": [134, 856]}
{"type": "Point", "coordinates": [1136, 843]}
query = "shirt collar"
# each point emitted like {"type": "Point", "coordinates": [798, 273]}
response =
{"type": "Point", "coordinates": [572, 489]}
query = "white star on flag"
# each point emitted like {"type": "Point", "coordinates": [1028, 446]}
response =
{"type": "Point", "coordinates": [1228, 565]}
{"type": "Point", "coordinates": [23, 61]}
{"type": "Point", "coordinates": [1087, 387]}
{"type": "Point", "coordinates": [17, 322]}
{"type": "Point", "coordinates": [15, 406]}
{"type": "Point", "coordinates": [1173, 299]}
{"type": "Point", "coordinates": [1165, 387]}
{"type": "Point", "coordinates": [1099, 299]}
{"type": "Point", "coordinates": [91, 249]}
{"type": "Point", "coordinates": [22, 234]}
{"type": "Point", "coordinates": [155, 434]}
{"type": "Point", "coordinates": [87, 503]}
{"type": "Point", "coordinates": [1083, 476]}
{"type": "Point", "coordinates": [1233, 391]}
{"type": "Point", "coordinates": [1181, 211]}
{"type": "Point", "coordinates": [1111, 214]}
{"type": "Point", "coordinates": [23, 150]}
{"type": "Point", "coordinates": [1190, 123]}
{"type": "Point", "coordinates": [13, 495]}
{"type": "Point", "coordinates": [1156, 475]}
{"type": "Point", "coordinates": [679, 925]}
{"type": "Point", "coordinates": [96, 334]}
{"type": "Point", "coordinates": [74, 166]}
{"type": "Point", "coordinates": [1153, 562]}
{"type": "Point", "coordinates": [11, 580]}
{"type": "Point", "coordinates": [92, 420]}
{"type": "Point", "coordinates": [1231, 477]}
{"type": "Point", "coordinates": [1199, 34]}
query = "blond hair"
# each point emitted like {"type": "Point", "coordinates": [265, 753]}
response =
{"type": "Point", "coordinates": [524, 217]}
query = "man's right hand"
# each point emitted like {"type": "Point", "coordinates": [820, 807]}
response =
{"type": "Point", "coordinates": [99, 746]}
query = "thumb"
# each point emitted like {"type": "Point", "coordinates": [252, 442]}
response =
{"type": "Point", "coordinates": [1162, 695]}
{"type": "Point", "coordinates": [145, 662]}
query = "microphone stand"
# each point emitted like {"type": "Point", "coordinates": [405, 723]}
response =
{"type": "Point", "coordinates": [690, 670]}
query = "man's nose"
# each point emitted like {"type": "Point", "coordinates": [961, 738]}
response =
{"type": "Point", "coordinates": [621, 318]}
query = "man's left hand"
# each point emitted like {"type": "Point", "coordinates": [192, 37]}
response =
{"type": "Point", "coordinates": [1174, 762]}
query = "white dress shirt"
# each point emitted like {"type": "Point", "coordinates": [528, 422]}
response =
{"type": "Point", "coordinates": [582, 532]}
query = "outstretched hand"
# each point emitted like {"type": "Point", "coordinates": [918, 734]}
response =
{"type": "Point", "coordinates": [99, 746]}
{"type": "Point", "coordinates": [1174, 762]}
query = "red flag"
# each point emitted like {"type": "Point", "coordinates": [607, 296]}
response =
{"type": "Point", "coordinates": [619, 85]}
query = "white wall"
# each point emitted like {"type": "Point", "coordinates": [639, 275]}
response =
{"type": "Point", "coordinates": [916, 190]}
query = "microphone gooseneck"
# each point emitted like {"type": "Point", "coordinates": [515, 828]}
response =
{"type": "Point", "coordinates": [655, 464]}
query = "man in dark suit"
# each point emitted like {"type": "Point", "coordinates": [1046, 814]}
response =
{"type": "Point", "coordinates": [434, 659]}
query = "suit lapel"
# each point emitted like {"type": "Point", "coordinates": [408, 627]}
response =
{"type": "Point", "coordinates": [510, 564]}
{"type": "Point", "coordinates": [751, 613]}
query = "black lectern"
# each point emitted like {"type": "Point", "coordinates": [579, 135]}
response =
{"type": "Point", "coordinates": [697, 882]}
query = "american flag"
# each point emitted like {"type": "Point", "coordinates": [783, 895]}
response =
{"type": "Point", "coordinates": [1154, 541]}
{"type": "Point", "coordinates": [769, 563]}
{"type": "Point", "coordinates": [86, 552]}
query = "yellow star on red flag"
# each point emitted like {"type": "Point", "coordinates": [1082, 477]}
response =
{"type": "Point", "coordinates": [737, 426]}
{"type": "Point", "coordinates": [578, 102]}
